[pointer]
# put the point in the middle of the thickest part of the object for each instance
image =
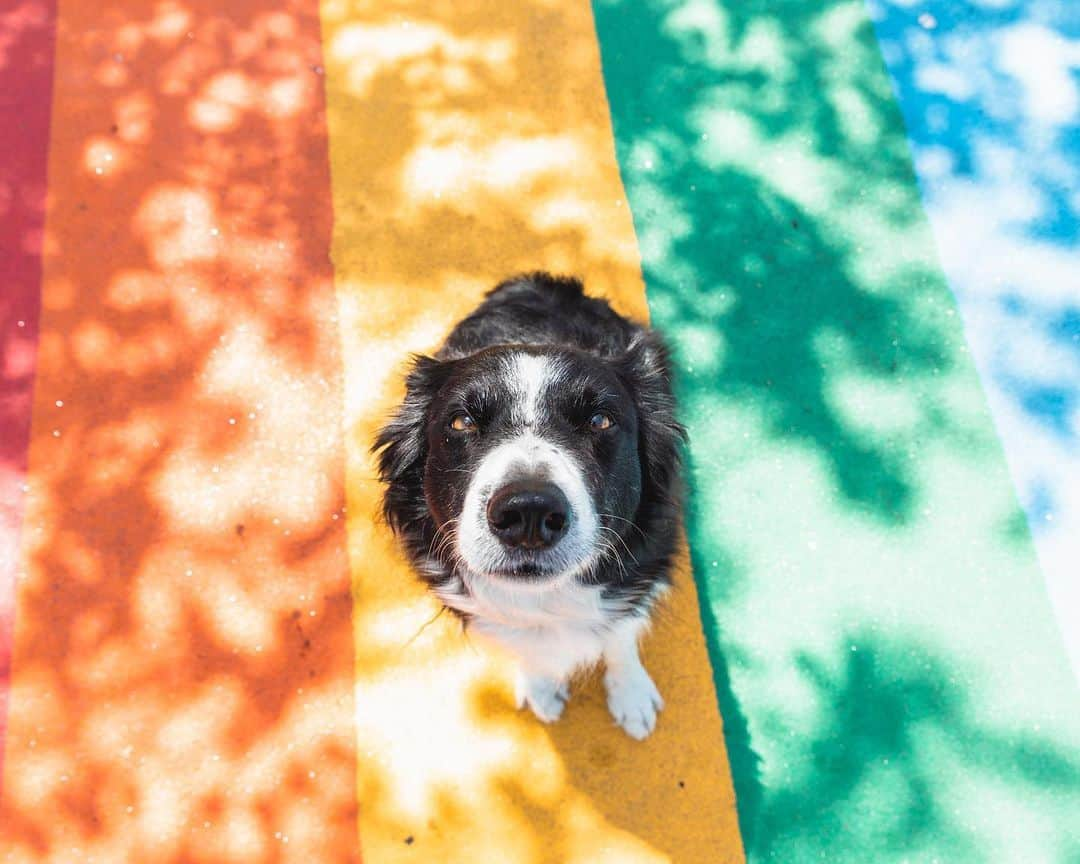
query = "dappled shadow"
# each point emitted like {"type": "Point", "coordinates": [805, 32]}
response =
{"type": "Point", "coordinates": [986, 89]}
{"type": "Point", "coordinates": [785, 303]}
{"type": "Point", "coordinates": [495, 784]}
{"type": "Point", "coordinates": [182, 676]}
{"type": "Point", "coordinates": [890, 722]}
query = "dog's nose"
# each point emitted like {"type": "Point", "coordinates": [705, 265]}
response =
{"type": "Point", "coordinates": [529, 515]}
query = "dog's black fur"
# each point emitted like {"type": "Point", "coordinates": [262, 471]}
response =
{"type": "Point", "coordinates": [633, 474]}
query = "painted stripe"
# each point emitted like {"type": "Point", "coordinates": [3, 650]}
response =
{"type": "Point", "coordinates": [467, 143]}
{"type": "Point", "coordinates": [182, 675]}
{"type": "Point", "coordinates": [25, 95]}
{"type": "Point", "coordinates": [892, 682]}
{"type": "Point", "coordinates": [992, 104]}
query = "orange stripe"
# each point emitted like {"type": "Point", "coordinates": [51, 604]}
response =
{"type": "Point", "coordinates": [468, 142]}
{"type": "Point", "coordinates": [183, 658]}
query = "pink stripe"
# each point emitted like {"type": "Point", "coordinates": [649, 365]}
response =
{"type": "Point", "coordinates": [27, 37]}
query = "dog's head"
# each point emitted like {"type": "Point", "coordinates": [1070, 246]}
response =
{"type": "Point", "coordinates": [531, 464]}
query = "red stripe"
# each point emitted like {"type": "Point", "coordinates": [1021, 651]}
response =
{"type": "Point", "coordinates": [27, 37]}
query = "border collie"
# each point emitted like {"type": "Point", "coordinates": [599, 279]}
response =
{"type": "Point", "coordinates": [533, 473]}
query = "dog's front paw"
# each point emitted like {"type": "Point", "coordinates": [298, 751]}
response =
{"type": "Point", "coordinates": [633, 700]}
{"type": "Point", "coordinates": [546, 697]}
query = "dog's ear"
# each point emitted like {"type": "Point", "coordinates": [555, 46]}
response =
{"type": "Point", "coordinates": [401, 444]}
{"type": "Point", "coordinates": [646, 367]}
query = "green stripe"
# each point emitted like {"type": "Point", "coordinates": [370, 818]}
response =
{"type": "Point", "coordinates": [891, 679]}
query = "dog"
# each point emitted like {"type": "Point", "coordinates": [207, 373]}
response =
{"type": "Point", "coordinates": [533, 472]}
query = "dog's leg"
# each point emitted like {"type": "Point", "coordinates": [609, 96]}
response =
{"type": "Point", "coordinates": [546, 661]}
{"type": "Point", "coordinates": [545, 696]}
{"type": "Point", "coordinates": [632, 697]}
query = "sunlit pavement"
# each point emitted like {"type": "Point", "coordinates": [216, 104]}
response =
{"type": "Point", "coordinates": [224, 226]}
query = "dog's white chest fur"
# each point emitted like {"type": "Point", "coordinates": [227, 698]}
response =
{"type": "Point", "coordinates": [556, 631]}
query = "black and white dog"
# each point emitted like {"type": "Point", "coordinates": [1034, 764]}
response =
{"type": "Point", "coordinates": [533, 471]}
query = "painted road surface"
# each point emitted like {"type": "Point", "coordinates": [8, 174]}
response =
{"type": "Point", "coordinates": [225, 226]}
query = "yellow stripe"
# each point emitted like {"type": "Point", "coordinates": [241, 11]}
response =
{"type": "Point", "coordinates": [467, 144]}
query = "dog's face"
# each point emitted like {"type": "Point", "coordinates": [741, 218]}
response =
{"type": "Point", "coordinates": [530, 465]}
{"type": "Point", "coordinates": [531, 455]}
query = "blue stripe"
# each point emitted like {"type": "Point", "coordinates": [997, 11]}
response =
{"type": "Point", "coordinates": [990, 94]}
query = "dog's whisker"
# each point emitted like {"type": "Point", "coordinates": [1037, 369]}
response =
{"type": "Point", "coordinates": [618, 558]}
{"type": "Point", "coordinates": [629, 522]}
{"type": "Point", "coordinates": [442, 538]}
{"type": "Point", "coordinates": [615, 551]}
{"type": "Point", "coordinates": [619, 537]}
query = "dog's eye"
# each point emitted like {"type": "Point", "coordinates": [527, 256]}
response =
{"type": "Point", "coordinates": [600, 422]}
{"type": "Point", "coordinates": [462, 422]}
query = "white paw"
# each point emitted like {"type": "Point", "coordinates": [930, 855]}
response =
{"type": "Point", "coordinates": [546, 697]}
{"type": "Point", "coordinates": [633, 701]}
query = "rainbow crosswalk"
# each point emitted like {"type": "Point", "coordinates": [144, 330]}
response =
{"type": "Point", "coordinates": [224, 227]}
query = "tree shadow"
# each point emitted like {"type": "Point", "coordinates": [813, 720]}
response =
{"type": "Point", "coordinates": [889, 720]}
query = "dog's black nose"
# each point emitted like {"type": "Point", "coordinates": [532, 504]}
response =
{"type": "Point", "coordinates": [529, 515]}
